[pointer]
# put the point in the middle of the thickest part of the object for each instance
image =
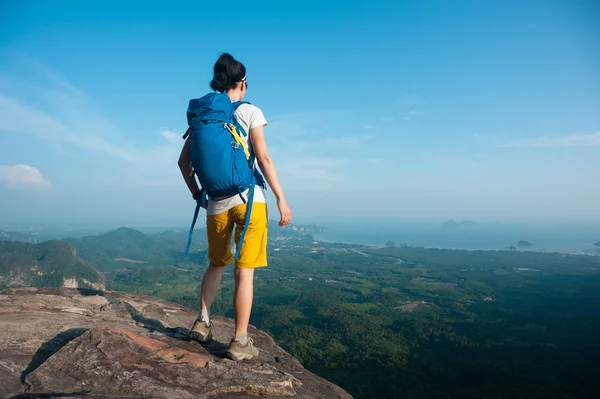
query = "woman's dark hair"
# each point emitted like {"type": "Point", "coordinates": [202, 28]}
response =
{"type": "Point", "coordinates": [228, 73]}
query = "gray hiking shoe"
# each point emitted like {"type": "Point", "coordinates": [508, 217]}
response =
{"type": "Point", "coordinates": [201, 332]}
{"type": "Point", "coordinates": [237, 351]}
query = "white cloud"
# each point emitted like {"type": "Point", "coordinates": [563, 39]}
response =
{"type": "Point", "coordinates": [67, 118]}
{"type": "Point", "coordinates": [569, 140]}
{"type": "Point", "coordinates": [17, 117]}
{"type": "Point", "coordinates": [22, 176]}
{"type": "Point", "coordinates": [170, 136]}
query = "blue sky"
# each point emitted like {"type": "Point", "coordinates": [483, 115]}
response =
{"type": "Point", "coordinates": [381, 111]}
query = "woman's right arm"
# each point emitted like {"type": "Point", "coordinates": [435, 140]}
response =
{"type": "Point", "coordinates": [186, 168]}
{"type": "Point", "coordinates": [259, 145]}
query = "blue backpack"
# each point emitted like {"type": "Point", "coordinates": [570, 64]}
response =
{"type": "Point", "coordinates": [220, 157]}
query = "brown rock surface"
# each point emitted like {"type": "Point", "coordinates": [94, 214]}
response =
{"type": "Point", "coordinates": [60, 342]}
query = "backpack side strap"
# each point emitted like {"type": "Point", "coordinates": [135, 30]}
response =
{"type": "Point", "coordinates": [189, 242]}
{"type": "Point", "coordinates": [247, 223]}
{"type": "Point", "coordinates": [200, 203]}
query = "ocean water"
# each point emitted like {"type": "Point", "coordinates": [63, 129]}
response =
{"type": "Point", "coordinates": [544, 237]}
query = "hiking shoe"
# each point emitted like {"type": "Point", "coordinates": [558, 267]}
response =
{"type": "Point", "coordinates": [201, 332]}
{"type": "Point", "coordinates": [237, 351]}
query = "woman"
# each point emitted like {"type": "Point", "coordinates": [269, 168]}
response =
{"type": "Point", "coordinates": [224, 213]}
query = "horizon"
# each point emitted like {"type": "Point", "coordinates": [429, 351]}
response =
{"type": "Point", "coordinates": [473, 236]}
{"type": "Point", "coordinates": [392, 114]}
{"type": "Point", "coordinates": [383, 223]}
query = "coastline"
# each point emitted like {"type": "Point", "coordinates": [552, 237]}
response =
{"type": "Point", "coordinates": [480, 238]}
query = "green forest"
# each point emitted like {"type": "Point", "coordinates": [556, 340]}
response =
{"type": "Point", "coordinates": [46, 264]}
{"type": "Point", "coordinates": [396, 322]}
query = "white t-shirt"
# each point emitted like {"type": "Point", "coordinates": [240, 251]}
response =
{"type": "Point", "coordinates": [249, 116]}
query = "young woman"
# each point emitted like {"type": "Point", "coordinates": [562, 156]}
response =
{"type": "Point", "coordinates": [225, 214]}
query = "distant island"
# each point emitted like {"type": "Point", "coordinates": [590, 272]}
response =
{"type": "Point", "coordinates": [305, 228]}
{"type": "Point", "coordinates": [597, 244]}
{"type": "Point", "coordinates": [452, 224]}
{"type": "Point", "coordinates": [524, 244]}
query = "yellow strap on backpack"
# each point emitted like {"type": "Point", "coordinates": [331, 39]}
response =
{"type": "Point", "coordinates": [239, 140]}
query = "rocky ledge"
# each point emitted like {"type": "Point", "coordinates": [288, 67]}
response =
{"type": "Point", "coordinates": [61, 342]}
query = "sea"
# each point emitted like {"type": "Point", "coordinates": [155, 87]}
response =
{"type": "Point", "coordinates": [478, 236]}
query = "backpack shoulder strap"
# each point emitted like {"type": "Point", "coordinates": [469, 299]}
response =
{"type": "Point", "coordinates": [247, 223]}
{"type": "Point", "coordinates": [237, 104]}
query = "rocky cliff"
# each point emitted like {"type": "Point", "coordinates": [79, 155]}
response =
{"type": "Point", "coordinates": [85, 343]}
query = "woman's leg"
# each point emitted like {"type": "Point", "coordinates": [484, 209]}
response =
{"type": "Point", "coordinates": [253, 254]}
{"type": "Point", "coordinates": [210, 286]}
{"type": "Point", "coordinates": [219, 229]}
{"type": "Point", "coordinates": [202, 330]}
{"type": "Point", "coordinates": [242, 299]}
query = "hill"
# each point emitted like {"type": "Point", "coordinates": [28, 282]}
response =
{"type": "Point", "coordinates": [123, 242]}
{"type": "Point", "coordinates": [126, 246]}
{"type": "Point", "coordinates": [48, 264]}
{"type": "Point", "coordinates": [84, 343]}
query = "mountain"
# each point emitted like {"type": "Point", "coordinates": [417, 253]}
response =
{"type": "Point", "coordinates": [63, 343]}
{"type": "Point", "coordinates": [48, 264]}
{"type": "Point", "coordinates": [175, 236]}
{"type": "Point", "coordinates": [123, 242]}
{"type": "Point", "coordinates": [124, 246]}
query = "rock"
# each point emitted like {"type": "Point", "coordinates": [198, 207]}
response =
{"type": "Point", "coordinates": [64, 342]}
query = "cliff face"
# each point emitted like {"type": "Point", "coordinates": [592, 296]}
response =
{"type": "Point", "coordinates": [85, 343]}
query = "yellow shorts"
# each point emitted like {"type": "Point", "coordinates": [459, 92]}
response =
{"type": "Point", "coordinates": [254, 248]}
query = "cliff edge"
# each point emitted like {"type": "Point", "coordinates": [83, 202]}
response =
{"type": "Point", "coordinates": [62, 342]}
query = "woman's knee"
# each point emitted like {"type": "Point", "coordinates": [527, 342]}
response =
{"type": "Point", "coordinates": [243, 275]}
